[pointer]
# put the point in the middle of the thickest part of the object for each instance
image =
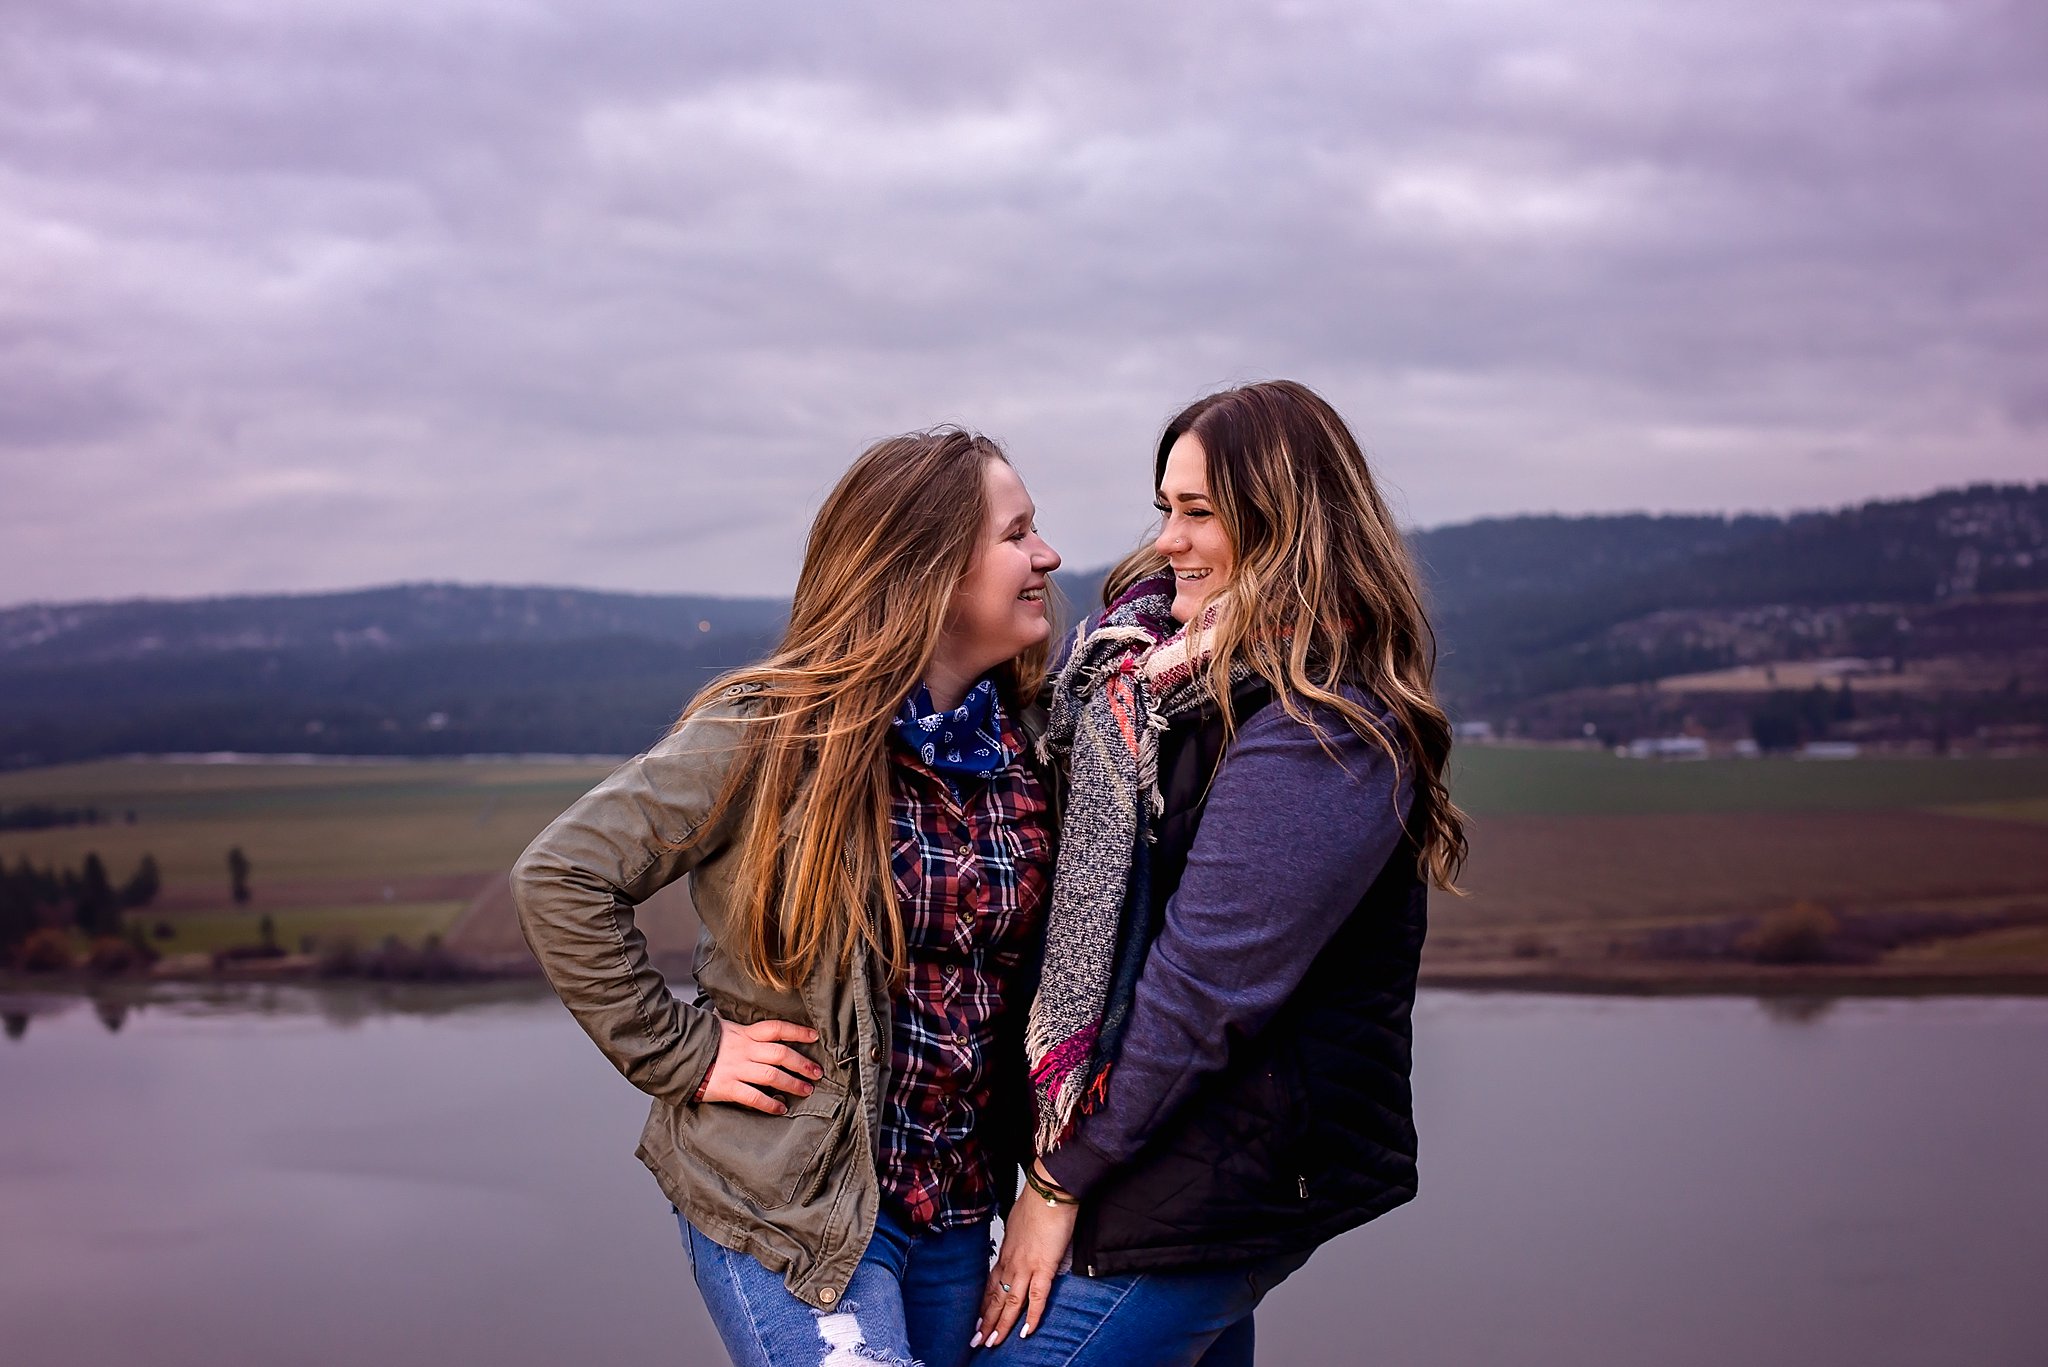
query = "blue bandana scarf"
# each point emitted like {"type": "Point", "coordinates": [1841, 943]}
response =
{"type": "Point", "coordinates": [965, 741]}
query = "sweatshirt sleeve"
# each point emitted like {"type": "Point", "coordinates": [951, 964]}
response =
{"type": "Point", "coordinates": [1290, 841]}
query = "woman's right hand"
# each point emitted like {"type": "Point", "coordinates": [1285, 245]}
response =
{"type": "Point", "coordinates": [750, 1059]}
{"type": "Point", "coordinates": [1036, 1236]}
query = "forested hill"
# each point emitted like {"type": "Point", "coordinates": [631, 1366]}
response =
{"type": "Point", "coordinates": [1530, 605]}
{"type": "Point", "coordinates": [381, 620]}
{"type": "Point", "coordinates": [1527, 607]}
{"type": "Point", "coordinates": [414, 669]}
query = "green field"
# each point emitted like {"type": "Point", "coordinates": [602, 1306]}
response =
{"type": "Point", "coordinates": [365, 926]}
{"type": "Point", "coordinates": [1501, 779]}
{"type": "Point", "coordinates": [316, 822]}
{"type": "Point", "coordinates": [296, 823]}
{"type": "Point", "coordinates": [1567, 841]}
{"type": "Point", "coordinates": [337, 852]}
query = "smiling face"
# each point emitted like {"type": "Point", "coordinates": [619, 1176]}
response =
{"type": "Point", "coordinates": [998, 609]}
{"type": "Point", "coordinates": [1191, 536]}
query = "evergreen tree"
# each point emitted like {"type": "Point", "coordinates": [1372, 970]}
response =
{"type": "Point", "coordinates": [18, 906]}
{"type": "Point", "coordinates": [96, 907]}
{"type": "Point", "coordinates": [238, 876]}
{"type": "Point", "coordinates": [142, 889]}
{"type": "Point", "coordinates": [39, 886]}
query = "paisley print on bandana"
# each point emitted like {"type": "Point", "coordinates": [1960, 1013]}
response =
{"type": "Point", "coordinates": [967, 740]}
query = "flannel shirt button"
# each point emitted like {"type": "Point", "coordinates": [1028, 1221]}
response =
{"type": "Point", "coordinates": [966, 852]}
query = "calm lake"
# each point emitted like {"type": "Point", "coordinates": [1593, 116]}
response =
{"type": "Point", "coordinates": [298, 1176]}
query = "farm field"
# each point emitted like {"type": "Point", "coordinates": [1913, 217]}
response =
{"type": "Point", "coordinates": [302, 826]}
{"type": "Point", "coordinates": [353, 852]}
{"type": "Point", "coordinates": [1577, 855]}
{"type": "Point", "coordinates": [1580, 858]}
{"type": "Point", "coordinates": [365, 926]}
{"type": "Point", "coordinates": [1502, 779]}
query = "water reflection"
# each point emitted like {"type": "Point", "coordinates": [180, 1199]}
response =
{"type": "Point", "coordinates": [424, 1175]}
{"type": "Point", "coordinates": [1797, 1010]}
{"type": "Point", "coordinates": [345, 1006]}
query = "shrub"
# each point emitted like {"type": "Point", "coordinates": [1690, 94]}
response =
{"type": "Point", "coordinates": [47, 950]}
{"type": "Point", "coordinates": [1802, 933]}
{"type": "Point", "coordinates": [392, 960]}
{"type": "Point", "coordinates": [139, 944]}
{"type": "Point", "coordinates": [235, 954]}
{"type": "Point", "coordinates": [112, 954]}
{"type": "Point", "coordinates": [340, 958]}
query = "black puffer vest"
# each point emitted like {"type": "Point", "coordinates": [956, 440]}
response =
{"type": "Point", "coordinates": [1308, 1131]}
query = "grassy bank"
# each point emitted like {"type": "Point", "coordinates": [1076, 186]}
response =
{"type": "Point", "coordinates": [1503, 779]}
{"type": "Point", "coordinates": [1585, 868]}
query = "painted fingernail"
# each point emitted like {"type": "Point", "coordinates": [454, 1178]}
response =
{"type": "Point", "coordinates": [974, 1342]}
{"type": "Point", "coordinates": [1026, 1334]}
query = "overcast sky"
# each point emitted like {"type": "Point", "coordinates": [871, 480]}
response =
{"type": "Point", "coordinates": [605, 293]}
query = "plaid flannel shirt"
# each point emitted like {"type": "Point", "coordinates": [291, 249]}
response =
{"type": "Point", "coordinates": [972, 869]}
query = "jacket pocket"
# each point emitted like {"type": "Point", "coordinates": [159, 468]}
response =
{"type": "Point", "coordinates": [765, 1158]}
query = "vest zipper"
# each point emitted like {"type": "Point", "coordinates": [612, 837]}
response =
{"type": "Point", "coordinates": [1301, 1185]}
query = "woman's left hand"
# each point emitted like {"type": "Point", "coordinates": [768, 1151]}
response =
{"type": "Point", "coordinates": [1035, 1239]}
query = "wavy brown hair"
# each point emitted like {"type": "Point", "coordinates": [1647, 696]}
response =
{"type": "Point", "coordinates": [1323, 591]}
{"type": "Point", "coordinates": [894, 539]}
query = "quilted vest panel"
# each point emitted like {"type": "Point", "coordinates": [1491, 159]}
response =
{"type": "Point", "coordinates": [1309, 1130]}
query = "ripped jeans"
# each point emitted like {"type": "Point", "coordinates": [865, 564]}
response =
{"type": "Point", "coordinates": [1150, 1319]}
{"type": "Point", "coordinates": [913, 1299]}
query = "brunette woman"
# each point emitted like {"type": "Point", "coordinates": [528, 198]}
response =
{"type": "Point", "coordinates": [868, 845]}
{"type": "Point", "coordinates": [1256, 803]}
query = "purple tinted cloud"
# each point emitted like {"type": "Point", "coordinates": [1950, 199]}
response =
{"type": "Point", "coordinates": [606, 294]}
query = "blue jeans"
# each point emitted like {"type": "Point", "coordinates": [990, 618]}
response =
{"type": "Point", "coordinates": [912, 1299]}
{"type": "Point", "coordinates": [1149, 1319]}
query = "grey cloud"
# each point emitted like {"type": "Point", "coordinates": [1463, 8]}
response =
{"type": "Point", "coordinates": [377, 290]}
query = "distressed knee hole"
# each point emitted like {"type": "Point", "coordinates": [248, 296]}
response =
{"type": "Point", "coordinates": [847, 1346]}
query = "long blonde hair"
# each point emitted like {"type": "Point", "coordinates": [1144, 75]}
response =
{"type": "Point", "coordinates": [1323, 591]}
{"type": "Point", "coordinates": [894, 539]}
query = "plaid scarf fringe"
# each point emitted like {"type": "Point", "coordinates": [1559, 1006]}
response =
{"type": "Point", "coordinates": [1121, 688]}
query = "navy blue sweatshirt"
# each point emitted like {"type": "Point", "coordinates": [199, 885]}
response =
{"type": "Point", "coordinates": [1289, 842]}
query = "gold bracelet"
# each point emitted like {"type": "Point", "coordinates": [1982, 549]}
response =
{"type": "Point", "coordinates": [1054, 1196]}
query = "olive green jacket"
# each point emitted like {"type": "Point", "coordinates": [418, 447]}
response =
{"type": "Point", "coordinates": [799, 1191]}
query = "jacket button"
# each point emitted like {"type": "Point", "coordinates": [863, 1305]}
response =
{"type": "Point", "coordinates": [828, 1295]}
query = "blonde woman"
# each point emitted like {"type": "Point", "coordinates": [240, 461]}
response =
{"type": "Point", "coordinates": [868, 842]}
{"type": "Point", "coordinates": [1255, 807]}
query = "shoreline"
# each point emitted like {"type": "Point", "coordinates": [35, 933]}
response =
{"type": "Point", "coordinates": [1665, 979]}
{"type": "Point", "coordinates": [1581, 978]}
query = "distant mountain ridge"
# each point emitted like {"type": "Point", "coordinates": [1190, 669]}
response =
{"type": "Point", "coordinates": [394, 617]}
{"type": "Point", "coordinates": [1527, 606]}
{"type": "Point", "coordinates": [1529, 610]}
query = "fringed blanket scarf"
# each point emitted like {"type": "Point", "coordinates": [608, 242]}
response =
{"type": "Point", "coordinates": [1122, 685]}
